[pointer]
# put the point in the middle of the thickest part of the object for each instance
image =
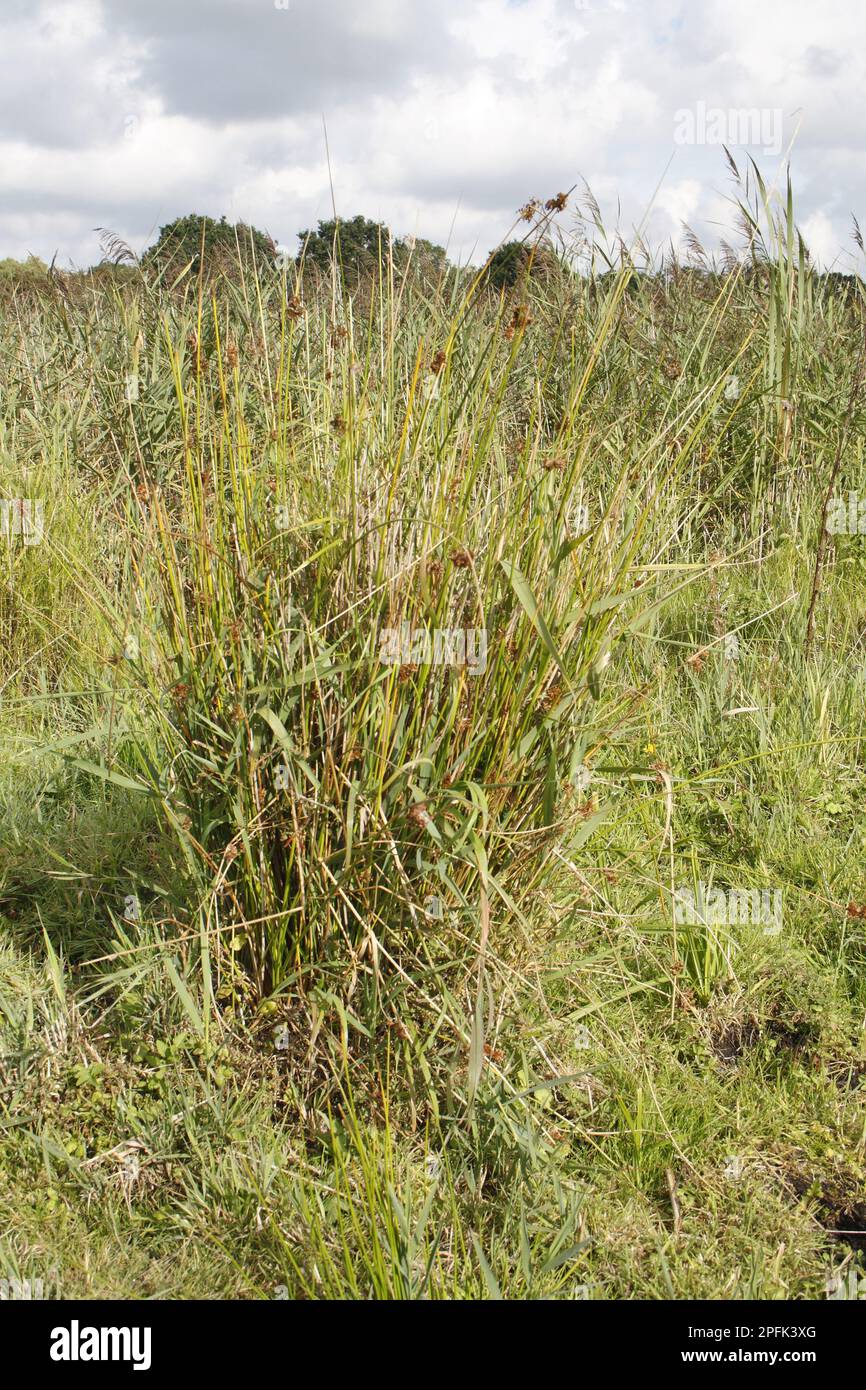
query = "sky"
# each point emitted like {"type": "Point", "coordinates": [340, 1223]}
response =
{"type": "Point", "coordinates": [438, 117]}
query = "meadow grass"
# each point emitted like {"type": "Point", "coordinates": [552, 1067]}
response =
{"type": "Point", "coordinates": [325, 975]}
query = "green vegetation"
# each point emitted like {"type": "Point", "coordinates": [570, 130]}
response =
{"type": "Point", "coordinates": [365, 250]}
{"type": "Point", "coordinates": [330, 971]}
{"type": "Point", "coordinates": [515, 262]}
{"type": "Point", "coordinates": [196, 242]}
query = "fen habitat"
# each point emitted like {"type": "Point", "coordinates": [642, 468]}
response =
{"type": "Point", "coordinates": [432, 711]}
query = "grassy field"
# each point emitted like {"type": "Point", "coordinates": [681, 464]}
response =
{"type": "Point", "coordinates": [330, 970]}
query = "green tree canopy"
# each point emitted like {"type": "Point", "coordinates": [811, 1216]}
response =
{"type": "Point", "coordinates": [32, 268]}
{"type": "Point", "coordinates": [182, 242]}
{"type": "Point", "coordinates": [361, 247]}
{"type": "Point", "coordinates": [510, 262]}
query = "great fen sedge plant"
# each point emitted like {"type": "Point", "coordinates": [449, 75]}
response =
{"type": "Point", "coordinates": [303, 469]}
{"type": "Point", "coordinates": [323, 796]}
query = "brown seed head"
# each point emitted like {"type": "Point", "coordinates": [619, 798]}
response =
{"type": "Point", "coordinates": [461, 559]}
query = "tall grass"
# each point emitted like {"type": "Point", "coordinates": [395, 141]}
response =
{"type": "Point", "coordinates": [285, 482]}
{"type": "Point", "coordinates": [344, 481]}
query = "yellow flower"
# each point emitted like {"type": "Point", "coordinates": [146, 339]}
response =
{"type": "Point", "coordinates": [649, 748]}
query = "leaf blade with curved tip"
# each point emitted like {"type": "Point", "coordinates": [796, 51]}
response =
{"type": "Point", "coordinates": [529, 604]}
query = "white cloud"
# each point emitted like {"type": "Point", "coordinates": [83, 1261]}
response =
{"type": "Point", "coordinates": [437, 113]}
{"type": "Point", "coordinates": [821, 240]}
{"type": "Point", "coordinates": [680, 201]}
